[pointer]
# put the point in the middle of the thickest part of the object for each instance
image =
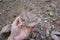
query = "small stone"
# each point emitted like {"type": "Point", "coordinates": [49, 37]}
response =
{"type": "Point", "coordinates": [48, 1]}
{"type": "Point", "coordinates": [45, 21]}
{"type": "Point", "coordinates": [32, 39]}
{"type": "Point", "coordinates": [0, 25]}
{"type": "Point", "coordinates": [50, 13]}
{"type": "Point", "coordinates": [7, 28]}
{"type": "Point", "coordinates": [55, 35]}
{"type": "Point", "coordinates": [33, 35]}
{"type": "Point", "coordinates": [3, 10]}
{"type": "Point", "coordinates": [58, 22]}
{"type": "Point", "coordinates": [0, 0]}
{"type": "Point", "coordinates": [53, 5]}
{"type": "Point", "coordinates": [47, 33]}
{"type": "Point", "coordinates": [53, 27]}
{"type": "Point", "coordinates": [0, 13]}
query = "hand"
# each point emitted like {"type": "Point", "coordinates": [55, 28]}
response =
{"type": "Point", "coordinates": [24, 33]}
{"type": "Point", "coordinates": [18, 31]}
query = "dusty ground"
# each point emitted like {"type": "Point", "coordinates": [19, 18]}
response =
{"type": "Point", "coordinates": [49, 11]}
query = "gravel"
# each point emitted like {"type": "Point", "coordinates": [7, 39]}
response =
{"type": "Point", "coordinates": [48, 10]}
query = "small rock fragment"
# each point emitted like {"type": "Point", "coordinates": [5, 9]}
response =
{"type": "Point", "coordinates": [58, 22]}
{"type": "Point", "coordinates": [0, 0]}
{"type": "Point", "coordinates": [55, 34]}
{"type": "Point", "coordinates": [0, 13]}
{"type": "Point", "coordinates": [32, 39]}
{"type": "Point", "coordinates": [33, 35]}
{"type": "Point", "coordinates": [51, 13]}
{"type": "Point", "coordinates": [7, 28]}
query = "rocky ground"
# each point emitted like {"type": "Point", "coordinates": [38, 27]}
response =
{"type": "Point", "coordinates": [49, 11]}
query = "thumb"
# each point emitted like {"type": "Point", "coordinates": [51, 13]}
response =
{"type": "Point", "coordinates": [16, 21]}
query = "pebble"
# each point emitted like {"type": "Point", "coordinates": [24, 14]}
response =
{"type": "Point", "coordinates": [32, 39]}
{"type": "Point", "coordinates": [58, 22]}
{"type": "Point", "coordinates": [0, 13]}
{"type": "Point", "coordinates": [33, 35]}
{"type": "Point", "coordinates": [55, 34]}
{"type": "Point", "coordinates": [0, 0]}
{"type": "Point", "coordinates": [51, 13]}
{"type": "Point", "coordinates": [3, 10]}
{"type": "Point", "coordinates": [45, 21]}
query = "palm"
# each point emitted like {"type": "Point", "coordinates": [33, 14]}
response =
{"type": "Point", "coordinates": [19, 32]}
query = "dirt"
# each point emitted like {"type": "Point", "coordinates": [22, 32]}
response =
{"type": "Point", "coordinates": [49, 11]}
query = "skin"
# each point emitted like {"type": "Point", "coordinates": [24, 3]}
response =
{"type": "Point", "coordinates": [18, 31]}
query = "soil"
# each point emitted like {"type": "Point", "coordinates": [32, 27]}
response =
{"type": "Point", "coordinates": [49, 11]}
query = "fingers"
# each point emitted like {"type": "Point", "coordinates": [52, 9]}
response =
{"type": "Point", "coordinates": [16, 21]}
